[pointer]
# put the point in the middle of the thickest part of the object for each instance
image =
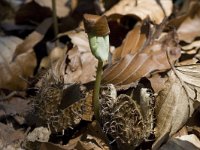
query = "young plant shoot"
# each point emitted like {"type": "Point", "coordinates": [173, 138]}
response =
{"type": "Point", "coordinates": [98, 34]}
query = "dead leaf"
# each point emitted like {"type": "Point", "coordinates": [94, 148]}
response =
{"type": "Point", "coordinates": [174, 108]}
{"type": "Point", "coordinates": [33, 38]}
{"type": "Point", "coordinates": [156, 10]}
{"type": "Point", "coordinates": [8, 135]}
{"type": "Point", "coordinates": [15, 73]}
{"type": "Point", "coordinates": [14, 106]}
{"type": "Point", "coordinates": [177, 144]}
{"type": "Point", "coordinates": [137, 62]}
{"type": "Point", "coordinates": [139, 34]}
{"type": "Point", "coordinates": [52, 146]}
{"type": "Point", "coordinates": [79, 65]}
{"type": "Point", "coordinates": [188, 23]}
{"type": "Point", "coordinates": [157, 82]}
{"type": "Point", "coordinates": [192, 139]}
{"type": "Point", "coordinates": [91, 138]}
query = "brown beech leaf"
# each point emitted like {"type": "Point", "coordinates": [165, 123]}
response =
{"type": "Point", "coordinates": [175, 102]}
{"type": "Point", "coordinates": [156, 10]}
{"type": "Point", "coordinates": [188, 23]}
{"type": "Point", "coordinates": [80, 66]}
{"type": "Point", "coordinates": [10, 136]}
{"type": "Point", "coordinates": [141, 60]}
{"type": "Point", "coordinates": [91, 139]}
{"type": "Point", "coordinates": [33, 38]}
{"type": "Point", "coordinates": [15, 71]}
{"type": "Point", "coordinates": [178, 144]}
{"type": "Point", "coordinates": [139, 35]}
{"type": "Point", "coordinates": [14, 106]}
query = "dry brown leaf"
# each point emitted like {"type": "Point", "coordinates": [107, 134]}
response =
{"type": "Point", "coordinates": [157, 82]}
{"type": "Point", "coordinates": [92, 138]}
{"type": "Point", "coordinates": [192, 139]}
{"type": "Point", "coordinates": [174, 108]}
{"type": "Point", "coordinates": [14, 106]}
{"type": "Point", "coordinates": [177, 144]}
{"type": "Point", "coordinates": [141, 61]}
{"type": "Point", "coordinates": [80, 66]}
{"type": "Point", "coordinates": [142, 9]}
{"type": "Point", "coordinates": [52, 146]}
{"type": "Point", "coordinates": [8, 45]}
{"type": "Point", "coordinates": [189, 29]}
{"type": "Point", "coordinates": [188, 23]}
{"type": "Point", "coordinates": [15, 73]}
{"type": "Point", "coordinates": [33, 38]}
{"type": "Point", "coordinates": [134, 42]}
{"type": "Point", "coordinates": [9, 136]}
{"type": "Point", "coordinates": [195, 45]}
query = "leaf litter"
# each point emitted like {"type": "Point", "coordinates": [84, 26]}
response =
{"type": "Point", "coordinates": [150, 88]}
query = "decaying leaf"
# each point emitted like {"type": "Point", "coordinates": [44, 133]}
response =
{"type": "Point", "coordinates": [174, 108]}
{"type": "Point", "coordinates": [91, 138]}
{"type": "Point", "coordinates": [134, 42]}
{"type": "Point", "coordinates": [8, 135]}
{"type": "Point", "coordinates": [79, 64]}
{"type": "Point", "coordinates": [33, 38]}
{"type": "Point", "coordinates": [15, 71]}
{"type": "Point", "coordinates": [189, 28]}
{"type": "Point", "coordinates": [137, 62]}
{"type": "Point", "coordinates": [192, 139]}
{"type": "Point", "coordinates": [177, 144]}
{"type": "Point", "coordinates": [156, 10]}
{"type": "Point", "coordinates": [187, 22]}
{"type": "Point", "coordinates": [14, 106]}
{"type": "Point", "coordinates": [13, 74]}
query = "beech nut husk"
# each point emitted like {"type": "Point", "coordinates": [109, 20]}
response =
{"type": "Point", "coordinates": [96, 25]}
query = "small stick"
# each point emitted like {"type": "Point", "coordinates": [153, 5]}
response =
{"type": "Point", "coordinates": [55, 21]}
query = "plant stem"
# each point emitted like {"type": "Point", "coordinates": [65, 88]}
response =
{"type": "Point", "coordinates": [55, 21]}
{"type": "Point", "coordinates": [96, 90]}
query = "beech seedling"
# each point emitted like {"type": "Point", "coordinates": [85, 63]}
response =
{"type": "Point", "coordinates": [98, 35]}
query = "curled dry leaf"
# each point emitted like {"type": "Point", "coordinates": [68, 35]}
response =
{"type": "Point", "coordinates": [156, 10]}
{"type": "Point", "coordinates": [177, 144]}
{"type": "Point", "coordinates": [188, 23]}
{"type": "Point", "coordinates": [15, 71]}
{"type": "Point", "coordinates": [78, 66]}
{"type": "Point", "coordinates": [14, 106]}
{"type": "Point", "coordinates": [92, 138]}
{"type": "Point", "coordinates": [140, 58]}
{"type": "Point", "coordinates": [10, 136]}
{"type": "Point", "coordinates": [174, 108]}
{"type": "Point", "coordinates": [33, 38]}
{"type": "Point", "coordinates": [192, 139]}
